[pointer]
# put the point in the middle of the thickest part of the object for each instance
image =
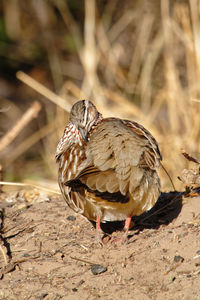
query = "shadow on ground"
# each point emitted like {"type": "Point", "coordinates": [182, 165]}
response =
{"type": "Point", "coordinates": [166, 209]}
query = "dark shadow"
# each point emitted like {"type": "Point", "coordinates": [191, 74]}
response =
{"type": "Point", "coordinates": [166, 209]}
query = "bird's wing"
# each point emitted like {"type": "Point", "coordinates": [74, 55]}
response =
{"type": "Point", "coordinates": [116, 157]}
{"type": "Point", "coordinates": [152, 155]}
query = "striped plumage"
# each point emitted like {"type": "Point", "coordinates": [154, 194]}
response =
{"type": "Point", "coordinates": [107, 166]}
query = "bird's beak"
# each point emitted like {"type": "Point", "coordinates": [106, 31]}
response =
{"type": "Point", "coordinates": [84, 134]}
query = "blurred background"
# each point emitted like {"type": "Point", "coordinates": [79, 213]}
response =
{"type": "Point", "coordinates": [138, 60]}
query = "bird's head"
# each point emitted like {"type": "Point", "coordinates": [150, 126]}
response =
{"type": "Point", "coordinates": [84, 115]}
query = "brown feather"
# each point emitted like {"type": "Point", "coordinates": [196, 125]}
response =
{"type": "Point", "coordinates": [113, 174]}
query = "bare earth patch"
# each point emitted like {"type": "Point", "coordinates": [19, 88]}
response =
{"type": "Point", "coordinates": [51, 252]}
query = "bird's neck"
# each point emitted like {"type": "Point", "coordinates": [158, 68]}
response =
{"type": "Point", "coordinates": [98, 120]}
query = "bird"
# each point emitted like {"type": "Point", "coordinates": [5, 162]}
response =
{"type": "Point", "coordinates": [107, 167]}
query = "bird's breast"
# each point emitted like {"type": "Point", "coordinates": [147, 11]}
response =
{"type": "Point", "coordinates": [70, 161]}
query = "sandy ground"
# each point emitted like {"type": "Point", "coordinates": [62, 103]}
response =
{"type": "Point", "coordinates": [47, 252]}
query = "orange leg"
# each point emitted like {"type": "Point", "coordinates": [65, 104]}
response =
{"type": "Point", "coordinates": [98, 230]}
{"type": "Point", "coordinates": [126, 229]}
{"type": "Point", "coordinates": [98, 227]}
{"type": "Point", "coordinates": [127, 223]}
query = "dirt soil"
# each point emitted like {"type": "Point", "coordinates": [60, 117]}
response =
{"type": "Point", "coordinates": [48, 252]}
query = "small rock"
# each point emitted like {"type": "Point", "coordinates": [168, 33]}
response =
{"type": "Point", "coordinates": [198, 252]}
{"type": "Point", "coordinates": [172, 278]}
{"type": "Point", "coordinates": [178, 258]}
{"type": "Point", "coordinates": [59, 255]}
{"type": "Point", "coordinates": [98, 269]}
{"type": "Point", "coordinates": [75, 290]}
{"type": "Point", "coordinates": [26, 255]}
{"type": "Point", "coordinates": [81, 282]}
{"type": "Point", "coordinates": [43, 295]}
{"type": "Point", "coordinates": [131, 278]}
{"type": "Point", "coordinates": [123, 265]}
{"type": "Point", "coordinates": [188, 275]}
{"type": "Point", "coordinates": [71, 218]}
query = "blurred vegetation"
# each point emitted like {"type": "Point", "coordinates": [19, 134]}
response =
{"type": "Point", "coordinates": [134, 59]}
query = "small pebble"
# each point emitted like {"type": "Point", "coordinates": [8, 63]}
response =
{"type": "Point", "coordinates": [81, 282]}
{"type": "Point", "coordinates": [178, 258]}
{"type": "Point", "coordinates": [71, 218]}
{"type": "Point", "coordinates": [172, 278]}
{"type": "Point", "coordinates": [98, 269]}
{"type": "Point", "coordinates": [26, 255]}
{"type": "Point", "coordinates": [131, 278]}
{"type": "Point", "coordinates": [198, 252]}
{"type": "Point", "coordinates": [43, 295]}
{"type": "Point", "coordinates": [75, 290]}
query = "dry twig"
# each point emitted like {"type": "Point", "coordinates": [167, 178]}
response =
{"type": "Point", "coordinates": [31, 113]}
{"type": "Point", "coordinates": [83, 260]}
{"type": "Point", "coordinates": [190, 158]}
{"type": "Point", "coordinates": [30, 185]}
{"type": "Point", "coordinates": [3, 251]}
{"type": "Point", "coordinates": [41, 89]}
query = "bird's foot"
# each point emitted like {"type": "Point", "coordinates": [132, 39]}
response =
{"type": "Point", "coordinates": [102, 240]}
{"type": "Point", "coordinates": [123, 238]}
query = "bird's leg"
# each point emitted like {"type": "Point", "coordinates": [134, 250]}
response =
{"type": "Point", "coordinates": [126, 229]}
{"type": "Point", "coordinates": [98, 229]}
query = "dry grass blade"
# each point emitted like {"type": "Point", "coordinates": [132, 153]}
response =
{"type": "Point", "coordinates": [168, 177]}
{"type": "Point", "coordinates": [123, 103]}
{"type": "Point", "coordinates": [25, 145]}
{"type": "Point", "coordinates": [31, 185]}
{"type": "Point", "coordinates": [41, 89]}
{"type": "Point", "coordinates": [91, 85]}
{"type": "Point", "coordinates": [3, 251]}
{"type": "Point", "coordinates": [190, 158]}
{"type": "Point", "coordinates": [31, 113]}
{"type": "Point", "coordinates": [11, 266]}
{"type": "Point", "coordinates": [82, 260]}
